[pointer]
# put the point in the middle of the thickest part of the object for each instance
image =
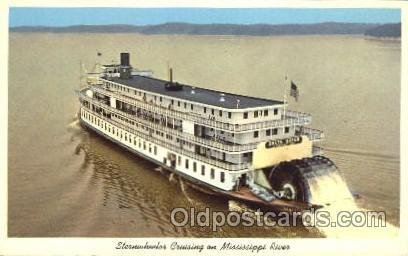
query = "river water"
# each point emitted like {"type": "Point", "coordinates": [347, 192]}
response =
{"type": "Point", "coordinates": [66, 181]}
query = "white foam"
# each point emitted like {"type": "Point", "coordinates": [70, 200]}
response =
{"type": "Point", "coordinates": [331, 191]}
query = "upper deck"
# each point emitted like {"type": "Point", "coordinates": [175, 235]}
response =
{"type": "Point", "coordinates": [195, 94]}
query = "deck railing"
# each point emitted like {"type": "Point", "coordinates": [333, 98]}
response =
{"type": "Point", "coordinates": [289, 119]}
{"type": "Point", "coordinates": [177, 149]}
{"type": "Point", "coordinates": [312, 134]}
{"type": "Point", "coordinates": [185, 136]}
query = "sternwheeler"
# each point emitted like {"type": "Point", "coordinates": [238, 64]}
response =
{"type": "Point", "coordinates": [246, 148]}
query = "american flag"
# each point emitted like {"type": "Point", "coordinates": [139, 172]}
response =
{"type": "Point", "coordinates": [294, 92]}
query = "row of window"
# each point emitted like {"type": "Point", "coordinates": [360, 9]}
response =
{"type": "Point", "coordinates": [128, 137]}
{"type": "Point", "coordinates": [212, 170]}
{"type": "Point", "coordinates": [157, 132]}
{"type": "Point", "coordinates": [274, 131]}
{"type": "Point", "coordinates": [261, 113]}
{"type": "Point", "coordinates": [212, 111]}
{"type": "Point", "coordinates": [148, 146]}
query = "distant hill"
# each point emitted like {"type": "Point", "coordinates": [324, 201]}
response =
{"type": "Point", "coordinates": [328, 28]}
{"type": "Point", "coordinates": [386, 30]}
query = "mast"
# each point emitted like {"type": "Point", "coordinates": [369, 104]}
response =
{"type": "Point", "coordinates": [284, 96]}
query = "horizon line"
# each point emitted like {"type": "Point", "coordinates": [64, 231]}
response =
{"type": "Point", "coordinates": [215, 23]}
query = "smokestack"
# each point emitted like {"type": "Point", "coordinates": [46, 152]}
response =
{"type": "Point", "coordinates": [125, 68]}
{"type": "Point", "coordinates": [124, 59]}
{"type": "Point", "coordinates": [171, 75]}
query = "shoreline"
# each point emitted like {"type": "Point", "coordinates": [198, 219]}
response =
{"type": "Point", "coordinates": [385, 39]}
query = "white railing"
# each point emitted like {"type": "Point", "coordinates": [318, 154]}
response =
{"type": "Point", "coordinates": [312, 134]}
{"type": "Point", "coordinates": [179, 134]}
{"type": "Point", "coordinates": [289, 119]}
{"type": "Point", "coordinates": [177, 149]}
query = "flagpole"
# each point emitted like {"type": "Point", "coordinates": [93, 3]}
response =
{"type": "Point", "coordinates": [284, 96]}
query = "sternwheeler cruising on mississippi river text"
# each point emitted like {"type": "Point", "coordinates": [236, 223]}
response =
{"type": "Point", "coordinates": [242, 147]}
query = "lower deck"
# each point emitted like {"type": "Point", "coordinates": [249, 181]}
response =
{"type": "Point", "coordinates": [193, 168]}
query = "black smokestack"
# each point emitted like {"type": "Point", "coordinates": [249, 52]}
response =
{"type": "Point", "coordinates": [171, 75]}
{"type": "Point", "coordinates": [124, 59]}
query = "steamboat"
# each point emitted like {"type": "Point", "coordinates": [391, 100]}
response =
{"type": "Point", "coordinates": [250, 149]}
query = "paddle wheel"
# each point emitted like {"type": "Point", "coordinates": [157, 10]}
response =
{"type": "Point", "coordinates": [313, 180]}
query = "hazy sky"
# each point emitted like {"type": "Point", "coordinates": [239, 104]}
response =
{"type": "Point", "coordinates": [142, 16]}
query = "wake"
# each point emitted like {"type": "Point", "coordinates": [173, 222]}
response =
{"type": "Point", "coordinates": [347, 219]}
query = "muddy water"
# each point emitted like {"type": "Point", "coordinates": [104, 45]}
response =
{"type": "Point", "coordinates": [66, 181]}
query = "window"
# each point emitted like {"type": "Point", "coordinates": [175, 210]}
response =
{"type": "Point", "coordinates": [179, 160]}
{"type": "Point", "coordinates": [161, 99]}
{"type": "Point", "coordinates": [245, 115]}
{"type": "Point", "coordinates": [256, 134]}
{"type": "Point", "coordinates": [265, 112]}
{"type": "Point", "coordinates": [229, 115]}
{"type": "Point", "coordinates": [172, 102]}
{"type": "Point", "coordinates": [178, 103]}
{"type": "Point", "coordinates": [220, 113]}
{"type": "Point", "coordinates": [212, 111]}
{"type": "Point", "coordinates": [275, 111]}
{"type": "Point", "coordinates": [212, 173]}
{"type": "Point", "coordinates": [155, 150]}
{"type": "Point", "coordinates": [255, 114]}
{"type": "Point", "coordinates": [268, 132]}
{"type": "Point", "coordinates": [222, 177]}
{"type": "Point", "coordinates": [194, 166]}
{"type": "Point", "coordinates": [186, 164]}
{"type": "Point", "coordinates": [202, 169]}
{"type": "Point", "coordinates": [185, 105]}
{"type": "Point", "coordinates": [287, 129]}
{"type": "Point", "coordinates": [205, 110]}
{"type": "Point", "coordinates": [191, 106]}
{"type": "Point", "coordinates": [274, 131]}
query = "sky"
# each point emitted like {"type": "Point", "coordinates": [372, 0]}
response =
{"type": "Point", "coordinates": [23, 16]}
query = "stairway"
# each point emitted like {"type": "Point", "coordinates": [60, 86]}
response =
{"type": "Point", "coordinates": [262, 193]}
